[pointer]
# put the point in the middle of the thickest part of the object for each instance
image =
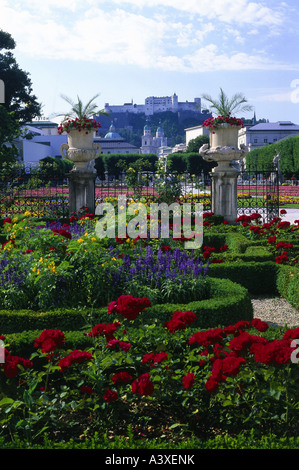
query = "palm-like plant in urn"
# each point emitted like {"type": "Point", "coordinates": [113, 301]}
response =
{"type": "Point", "coordinates": [80, 128]}
{"type": "Point", "coordinates": [224, 129]}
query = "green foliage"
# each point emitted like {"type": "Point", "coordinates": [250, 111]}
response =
{"type": "Point", "coordinates": [288, 284]}
{"type": "Point", "coordinates": [132, 442]}
{"type": "Point", "coordinates": [225, 106]}
{"type": "Point", "coordinates": [258, 159]}
{"type": "Point", "coordinates": [55, 167]}
{"type": "Point", "coordinates": [18, 87]}
{"type": "Point", "coordinates": [213, 308]}
{"type": "Point", "coordinates": [195, 144]}
{"type": "Point", "coordinates": [191, 162]}
{"type": "Point", "coordinates": [9, 130]}
{"type": "Point", "coordinates": [111, 162]}
{"type": "Point", "coordinates": [46, 401]}
{"type": "Point", "coordinates": [80, 110]}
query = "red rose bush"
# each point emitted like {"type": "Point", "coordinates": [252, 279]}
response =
{"type": "Point", "coordinates": [239, 373]}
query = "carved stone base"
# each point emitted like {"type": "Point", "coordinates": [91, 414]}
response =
{"type": "Point", "coordinates": [224, 194]}
{"type": "Point", "coordinates": [81, 190]}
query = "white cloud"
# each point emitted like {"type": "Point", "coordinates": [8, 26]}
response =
{"type": "Point", "coordinates": [241, 11]}
{"type": "Point", "coordinates": [117, 36]}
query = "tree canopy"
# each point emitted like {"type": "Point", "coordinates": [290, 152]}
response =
{"type": "Point", "coordinates": [18, 86]}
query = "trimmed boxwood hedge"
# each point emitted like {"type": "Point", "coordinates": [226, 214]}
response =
{"type": "Point", "coordinates": [229, 303]}
{"type": "Point", "coordinates": [260, 278]}
{"type": "Point", "coordinates": [257, 277]}
{"type": "Point", "coordinates": [288, 284]}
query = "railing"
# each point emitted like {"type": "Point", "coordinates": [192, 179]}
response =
{"type": "Point", "coordinates": [43, 193]}
{"type": "Point", "coordinates": [258, 191]}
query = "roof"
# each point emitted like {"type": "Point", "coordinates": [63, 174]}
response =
{"type": "Point", "coordinates": [111, 143]}
{"type": "Point", "coordinates": [275, 126]}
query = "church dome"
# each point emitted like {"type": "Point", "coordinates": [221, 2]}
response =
{"type": "Point", "coordinates": [111, 134]}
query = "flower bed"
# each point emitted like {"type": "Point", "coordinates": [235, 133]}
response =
{"type": "Point", "coordinates": [185, 353]}
{"type": "Point", "coordinates": [156, 377]}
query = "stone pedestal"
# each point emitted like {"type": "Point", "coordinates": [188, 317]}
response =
{"type": "Point", "coordinates": [224, 178]}
{"type": "Point", "coordinates": [224, 194]}
{"type": "Point", "coordinates": [81, 190]}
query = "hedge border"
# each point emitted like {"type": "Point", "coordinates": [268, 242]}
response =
{"type": "Point", "coordinates": [220, 310]}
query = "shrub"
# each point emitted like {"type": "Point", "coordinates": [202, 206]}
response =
{"type": "Point", "coordinates": [257, 277]}
{"type": "Point", "coordinates": [144, 375]}
{"type": "Point", "coordinates": [288, 284]}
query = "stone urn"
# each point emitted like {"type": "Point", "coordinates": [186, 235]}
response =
{"type": "Point", "coordinates": [224, 135]}
{"type": "Point", "coordinates": [223, 148]}
{"type": "Point", "coordinates": [80, 148]}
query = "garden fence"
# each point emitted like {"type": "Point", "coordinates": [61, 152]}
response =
{"type": "Point", "coordinates": [44, 192]}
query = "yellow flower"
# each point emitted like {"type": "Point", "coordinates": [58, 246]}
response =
{"type": "Point", "coordinates": [52, 267]}
{"type": "Point", "coordinates": [41, 260]}
{"type": "Point", "coordinates": [38, 272]}
{"type": "Point", "coordinates": [93, 239]}
{"type": "Point", "coordinates": [80, 240]}
{"type": "Point", "coordinates": [34, 269]}
{"type": "Point", "coordinates": [27, 214]}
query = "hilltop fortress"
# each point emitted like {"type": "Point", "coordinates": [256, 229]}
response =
{"type": "Point", "coordinates": [154, 104]}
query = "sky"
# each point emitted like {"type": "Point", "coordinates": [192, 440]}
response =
{"type": "Point", "coordinates": [128, 50]}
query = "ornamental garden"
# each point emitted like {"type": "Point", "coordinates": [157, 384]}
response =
{"type": "Point", "coordinates": [139, 340]}
{"type": "Point", "coordinates": [136, 341]}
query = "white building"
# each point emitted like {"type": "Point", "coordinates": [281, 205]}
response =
{"type": "Point", "coordinates": [152, 144]}
{"type": "Point", "coordinates": [42, 140]}
{"type": "Point", "coordinates": [193, 132]}
{"type": "Point", "coordinates": [266, 133]}
{"type": "Point", "coordinates": [153, 104]}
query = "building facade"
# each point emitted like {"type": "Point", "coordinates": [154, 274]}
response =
{"type": "Point", "coordinates": [266, 133]}
{"type": "Point", "coordinates": [153, 144]}
{"type": "Point", "coordinates": [153, 104]}
{"type": "Point", "coordinates": [114, 143]}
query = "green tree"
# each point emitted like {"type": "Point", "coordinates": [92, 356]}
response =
{"type": "Point", "coordinates": [195, 144]}
{"type": "Point", "coordinates": [18, 86]}
{"type": "Point", "coordinates": [9, 130]}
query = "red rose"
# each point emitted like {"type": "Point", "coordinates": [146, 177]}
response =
{"type": "Point", "coordinates": [143, 385]}
{"type": "Point", "coordinates": [121, 377]}
{"type": "Point", "coordinates": [154, 358]}
{"type": "Point", "coordinates": [104, 329]}
{"type": "Point", "coordinates": [75, 357]}
{"type": "Point", "coordinates": [175, 325]}
{"type": "Point", "coordinates": [86, 389]}
{"type": "Point", "coordinates": [188, 380]}
{"type": "Point", "coordinates": [12, 363]}
{"type": "Point", "coordinates": [129, 306]}
{"type": "Point", "coordinates": [187, 317]}
{"type": "Point", "coordinates": [260, 325]}
{"type": "Point", "coordinates": [110, 396]}
{"type": "Point", "coordinates": [292, 333]}
{"type": "Point", "coordinates": [207, 338]}
{"type": "Point", "coordinates": [231, 364]}
{"type": "Point", "coordinates": [49, 340]}
{"type": "Point", "coordinates": [211, 384]}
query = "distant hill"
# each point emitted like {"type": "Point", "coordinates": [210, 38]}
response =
{"type": "Point", "coordinates": [130, 126]}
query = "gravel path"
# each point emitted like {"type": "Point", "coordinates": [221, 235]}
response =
{"type": "Point", "coordinates": [275, 310]}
